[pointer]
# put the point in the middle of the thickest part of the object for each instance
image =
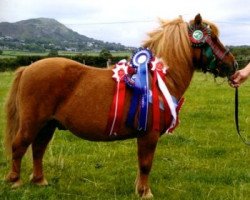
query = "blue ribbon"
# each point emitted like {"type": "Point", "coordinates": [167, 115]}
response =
{"type": "Point", "coordinates": [143, 115]}
{"type": "Point", "coordinates": [141, 90]}
{"type": "Point", "coordinates": [134, 103]}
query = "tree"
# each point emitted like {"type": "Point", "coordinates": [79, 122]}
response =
{"type": "Point", "coordinates": [1, 52]}
{"type": "Point", "coordinates": [105, 53]}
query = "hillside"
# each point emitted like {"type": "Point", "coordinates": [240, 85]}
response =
{"type": "Point", "coordinates": [44, 33]}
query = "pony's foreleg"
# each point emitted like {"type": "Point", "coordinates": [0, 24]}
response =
{"type": "Point", "coordinates": [19, 146]}
{"type": "Point", "coordinates": [38, 148]}
{"type": "Point", "coordinates": [146, 149]}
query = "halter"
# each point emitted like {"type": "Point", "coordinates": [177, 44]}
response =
{"type": "Point", "coordinates": [200, 37]}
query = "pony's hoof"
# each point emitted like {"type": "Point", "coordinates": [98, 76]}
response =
{"type": "Point", "coordinates": [147, 195]}
{"type": "Point", "coordinates": [41, 181]}
{"type": "Point", "coordinates": [17, 184]}
{"type": "Point", "coordinates": [12, 177]}
{"type": "Point", "coordinates": [144, 194]}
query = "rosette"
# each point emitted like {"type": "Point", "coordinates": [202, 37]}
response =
{"type": "Point", "coordinates": [140, 57]}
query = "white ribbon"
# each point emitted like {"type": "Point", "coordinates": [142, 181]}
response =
{"type": "Point", "coordinates": [169, 100]}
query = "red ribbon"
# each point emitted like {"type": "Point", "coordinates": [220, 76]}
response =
{"type": "Point", "coordinates": [156, 103]}
{"type": "Point", "coordinates": [158, 68]}
{"type": "Point", "coordinates": [116, 111]}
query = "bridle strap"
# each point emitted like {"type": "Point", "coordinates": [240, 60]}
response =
{"type": "Point", "coordinates": [236, 114]}
{"type": "Point", "coordinates": [203, 67]}
{"type": "Point", "coordinates": [220, 54]}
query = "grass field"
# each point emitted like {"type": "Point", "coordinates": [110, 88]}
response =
{"type": "Point", "coordinates": [203, 159]}
{"type": "Point", "coordinates": [15, 53]}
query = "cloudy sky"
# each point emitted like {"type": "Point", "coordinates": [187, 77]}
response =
{"type": "Point", "coordinates": [128, 21]}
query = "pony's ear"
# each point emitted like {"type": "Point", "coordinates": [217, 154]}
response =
{"type": "Point", "coordinates": [198, 20]}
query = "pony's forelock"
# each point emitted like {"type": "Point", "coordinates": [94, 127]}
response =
{"type": "Point", "coordinates": [211, 25]}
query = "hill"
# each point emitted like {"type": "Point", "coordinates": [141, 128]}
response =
{"type": "Point", "coordinates": [45, 33]}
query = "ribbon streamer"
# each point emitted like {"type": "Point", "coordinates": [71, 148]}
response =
{"type": "Point", "coordinates": [157, 67]}
{"type": "Point", "coordinates": [159, 87]}
{"type": "Point", "coordinates": [169, 100]}
{"type": "Point", "coordinates": [116, 113]}
{"type": "Point", "coordinates": [143, 114]}
{"type": "Point", "coordinates": [156, 103]}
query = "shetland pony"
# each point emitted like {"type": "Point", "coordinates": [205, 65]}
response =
{"type": "Point", "coordinates": [57, 92]}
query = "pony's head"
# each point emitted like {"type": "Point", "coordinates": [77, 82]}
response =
{"type": "Point", "coordinates": [209, 53]}
{"type": "Point", "coordinates": [193, 44]}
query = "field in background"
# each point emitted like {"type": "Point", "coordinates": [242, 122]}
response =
{"type": "Point", "coordinates": [203, 159]}
{"type": "Point", "coordinates": [13, 54]}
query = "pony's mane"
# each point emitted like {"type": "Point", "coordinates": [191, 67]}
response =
{"type": "Point", "coordinates": [170, 41]}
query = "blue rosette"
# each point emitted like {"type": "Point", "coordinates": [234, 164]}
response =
{"type": "Point", "coordinates": [141, 56]}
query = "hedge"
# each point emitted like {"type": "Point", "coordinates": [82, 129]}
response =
{"type": "Point", "coordinates": [7, 64]}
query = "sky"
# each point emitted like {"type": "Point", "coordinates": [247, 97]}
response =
{"type": "Point", "coordinates": [128, 22]}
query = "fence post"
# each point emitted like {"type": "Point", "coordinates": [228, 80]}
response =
{"type": "Point", "coordinates": [108, 63]}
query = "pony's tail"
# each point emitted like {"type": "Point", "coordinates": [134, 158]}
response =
{"type": "Point", "coordinates": [12, 114]}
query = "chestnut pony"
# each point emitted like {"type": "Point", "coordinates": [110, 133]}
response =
{"type": "Point", "coordinates": [60, 92]}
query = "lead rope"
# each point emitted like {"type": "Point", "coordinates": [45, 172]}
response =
{"type": "Point", "coordinates": [236, 115]}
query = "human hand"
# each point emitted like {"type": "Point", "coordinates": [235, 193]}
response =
{"type": "Point", "coordinates": [238, 78]}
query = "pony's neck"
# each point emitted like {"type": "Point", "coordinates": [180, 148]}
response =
{"type": "Point", "coordinates": [170, 42]}
{"type": "Point", "coordinates": [178, 78]}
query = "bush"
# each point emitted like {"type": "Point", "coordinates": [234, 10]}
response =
{"type": "Point", "coordinates": [7, 64]}
{"type": "Point", "coordinates": [53, 53]}
{"type": "Point", "coordinates": [105, 54]}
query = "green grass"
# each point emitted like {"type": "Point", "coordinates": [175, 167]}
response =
{"type": "Point", "coordinates": [203, 159]}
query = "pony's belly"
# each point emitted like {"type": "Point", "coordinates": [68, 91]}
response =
{"type": "Point", "coordinates": [103, 137]}
{"type": "Point", "coordinates": [88, 124]}
{"type": "Point", "coordinates": [95, 131]}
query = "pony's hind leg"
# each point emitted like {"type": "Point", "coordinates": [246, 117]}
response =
{"type": "Point", "coordinates": [38, 148]}
{"type": "Point", "coordinates": [21, 142]}
{"type": "Point", "coordinates": [146, 149]}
